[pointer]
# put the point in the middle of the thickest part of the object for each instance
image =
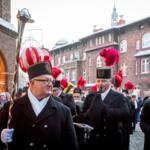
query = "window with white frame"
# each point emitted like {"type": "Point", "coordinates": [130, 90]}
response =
{"type": "Point", "coordinates": [103, 39]}
{"type": "Point", "coordinates": [136, 68]}
{"type": "Point", "coordinates": [84, 56]}
{"type": "Point", "coordinates": [98, 62]}
{"type": "Point", "coordinates": [73, 77]}
{"type": "Point", "coordinates": [146, 40]}
{"type": "Point", "coordinates": [68, 74]}
{"type": "Point", "coordinates": [100, 40]}
{"type": "Point", "coordinates": [96, 41]}
{"type": "Point", "coordinates": [59, 61]}
{"type": "Point", "coordinates": [123, 46]}
{"type": "Point", "coordinates": [84, 74]}
{"type": "Point", "coordinates": [144, 66]}
{"type": "Point", "coordinates": [124, 69]}
{"type": "Point", "coordinates": [76, 55]}
{"type": "Point", "coordinates": [109, 37]}
{"type": "Point", "coordinates": [137, 44]}
{"type": "Point", "coordinates": [71, 57]}
{"type": "Point", "coordinates": [91, 43]}
{"type": "Point", "coordinates": [64, 59]}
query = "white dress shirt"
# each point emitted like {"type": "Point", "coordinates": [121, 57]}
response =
{"type": "Point", "coordinates": [36, 104]}
{"type": "Point", "coordinates": [135, 104]}
{"type": "Point", "coordinates": [103, 95]}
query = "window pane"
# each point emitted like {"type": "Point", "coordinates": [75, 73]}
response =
{"type": "Point", "coordinates": [146, 40]}
{"type": "Point", "coordinates": [123, 46]}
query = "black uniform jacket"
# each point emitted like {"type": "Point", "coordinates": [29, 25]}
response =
{"type": "Point", "coordinates": [145, 123]}
{"type": "Point", "coordinates": [106, 117]}
{"type": "Point", "coordinates": [52, 128]}
{"type": "Point", "coordinates": [68, 100]}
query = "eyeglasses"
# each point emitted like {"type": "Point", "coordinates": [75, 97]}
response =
{"type": "Point", "coordinates": [45, 81]}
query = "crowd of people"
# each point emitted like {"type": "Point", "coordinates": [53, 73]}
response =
{"type": "Point", "coordinates": [45, 116]}
{"type": "Point", "coordinates": [111, 115]}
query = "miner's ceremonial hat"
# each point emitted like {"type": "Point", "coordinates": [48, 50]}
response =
{"type": "Point", "coordinates": [56, 83]}
{"type": "Point", "coordinates": [104, 73]}
{"type": "Point", "coordinates": [77, 90]}
{"type": "Point", "coordinates": [38, 69]}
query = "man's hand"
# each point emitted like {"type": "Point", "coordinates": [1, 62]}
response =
{"type": "Point", "coordinates": [6, 135]}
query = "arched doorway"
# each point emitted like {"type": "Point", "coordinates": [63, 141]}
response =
{"type": "Point", "coordinates": [2, 75]}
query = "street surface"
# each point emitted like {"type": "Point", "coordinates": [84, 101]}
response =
{"type": "Point", "coordinates": [137, 139]}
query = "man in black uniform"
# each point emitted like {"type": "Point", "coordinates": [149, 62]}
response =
{"type": "Point", "coordinates": [67, 99]}
{"type": "Point", "coordinates": [145, 123]}
{"type": "Point", "coordinates": [105, 110]}
{"type": "Point", "coordinates": [38, 121]}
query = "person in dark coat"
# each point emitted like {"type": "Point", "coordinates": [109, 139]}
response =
{"type": "Point", "coordinates": [3, 99]}
{"type": "Point", "coordinates": [38, 120]}
{"type": "Point", "coordinates": [77, 95]}
{"type": "Point", "coordinates": [145, 123]}
{"type": "Point", "coordinates": [127, 124]}
{"type": "Point", "coordinates": [135, 116]}
{"type": "Point", "coordinates": [105, 110]}
{"type": "Point", "coordinates": [67, 99]}
{"type": "Point", "coordinates": [144, 100]}
{"type": "Point", "coordinates": [24, 90]}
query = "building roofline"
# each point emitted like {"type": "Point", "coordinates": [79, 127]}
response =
{"type": "Point", "coordinates": [8, 28]}
{"type": "Point", "coordinates": [98, 32]}
{"type": "Point", "coordinates": [63, 46]}
{"type": "Point", "coordinates": [133, 22]}
{"type": "Point", "coordinates": [116, 27]}
{"type": "Point", "coordinates": [103, 31]}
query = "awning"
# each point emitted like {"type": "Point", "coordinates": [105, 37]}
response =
{"type": "Point", "coordinates": [142, 53]}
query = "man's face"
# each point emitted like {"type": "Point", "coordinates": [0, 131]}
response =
{"type": "Point", "coordinates": [133, 98]}
{"type": "Point", "coordinates": [2, 97]}
{"type": "Point", "coordinates": [42, 86]}
{"type": "Point", "coordinates": [56, 91]}
{"type": "Point", "coordinates": [102, 84]}
{"type": "Point", "coordinates": [77, 96]}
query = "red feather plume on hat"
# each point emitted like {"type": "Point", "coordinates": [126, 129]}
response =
{"type": "Point", "coordinates": [117, 79]}
{"type": "Point", "coordinates": [55, 72]}
{"type": "Point", "coordinates": [129, 85]}
{"type": "Point", "coordinates": [47, 59]}
{"type": "Point", "coordinates": [46, 56]}
{"type": "Point", "coordinates": [64, 83]}
{"type": "Point", "coordinates": [110, 55]}
{"type": "Point", "coordinates": [32, 55]}
{"type": "Point", "coordinates": [28, 57]}
{"type": "Point", "coordinates": [93, 88]}
{"type": "Point", "coordinates": [81, 83]}
{"type": "Point", "coordinates": [120, 73]}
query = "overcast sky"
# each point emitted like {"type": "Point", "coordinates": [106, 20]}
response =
{"type": "Point", "coordinates": [73, 19]}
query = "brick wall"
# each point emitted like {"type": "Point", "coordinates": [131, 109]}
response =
{"type": "Point", "coordinates": [7, 46]}
{"type": "Point", "coordinates": [7, 49]}
{"type": "Point", "coordinates": [5, 8]}
{"type": "Point", "coordinates": [131, 35]}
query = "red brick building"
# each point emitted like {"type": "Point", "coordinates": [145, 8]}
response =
{"type": "Point", "coordinates": [7, 46]}
{"type": "Point", "coordinates": [134, 43]}
{"type": "Point", "coordinates": [132, 40]}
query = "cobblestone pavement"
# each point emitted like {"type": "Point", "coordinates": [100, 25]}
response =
{"type": "Point", "coordinates": [137, 139]}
